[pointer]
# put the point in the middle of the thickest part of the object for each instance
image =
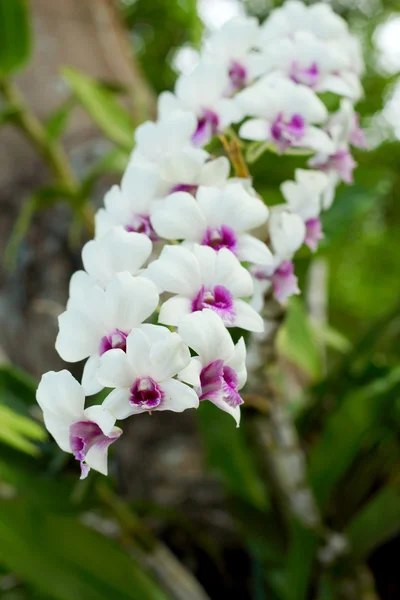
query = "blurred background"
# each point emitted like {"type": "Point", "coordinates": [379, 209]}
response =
{"type": "Point", "coordinates": [188, 511]}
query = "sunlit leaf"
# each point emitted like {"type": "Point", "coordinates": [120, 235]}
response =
{"type": "Point", "coordinates": [15, 39]}
{"type": "Point", "coordinates": [102, 106]}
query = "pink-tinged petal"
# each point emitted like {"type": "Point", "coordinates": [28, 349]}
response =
{"type": "Point", "coordinates": [97, 456]}
{"type": "Point", "coordinates": [247, 318]}
{"type": "Point", "coordinates": [313, 233]}
{"type": "Point", "coordinates": [285, 282]}
{"type": "Point", "coordinates": [114, 370]}
{"type": "Point", "coordinates": [117, 403]}
{"type": "Point", "coordinates": [234, 411]}
{"type": "Point", "coordinates": [168, 357]}
{"type": "Point", "coordinates": [206, 334]}
{"type": "Point", "coordinates": [178, 396]}
{"type": "Point", "coordinates": [238, 362]}
{"type": "Point", "coordinates": [174, 309]}
{"type": "Point", "coordinates": [179, 217]}
{"type": "Point", "coordinates": [191, 373]}
{"type": "Point", "coordinates": [129, 301]}
{"type": "Point", "coordinates": [90, 382]}
{"type": "Point", "coordinates": [103, 418]}
{"type": "Point", "coordinates": [253, 250]}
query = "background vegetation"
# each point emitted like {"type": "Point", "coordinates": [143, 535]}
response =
{"type": "Point", "coordinates": [192, 510]}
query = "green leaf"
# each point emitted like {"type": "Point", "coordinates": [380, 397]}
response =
{"type": "Point", "coordinates": [20, 432]}
{"type": "Point", "coordinates": [229, 455]}
{"type": "Point", "coordinates": [105, 110]}
{"type": "Point", "coordinates": [15, 39]}
{"type": "Point", "coordinates": [355, 421]}
{"type": "Point", "coordinates": [376, 522]}
{"type": "Point", "coordinates": [57, 122]}
{"type": "Point", "coordinates": [301, 556]}
{"type": "Point", "coordinates": [297, 341]}
{"type": "Point", "coordinates": [7, 114]}
{"type": "Point", "coordinates": [64, 559]}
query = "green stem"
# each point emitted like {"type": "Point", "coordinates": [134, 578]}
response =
{"type": "Point", "coordinates": [51, 151]}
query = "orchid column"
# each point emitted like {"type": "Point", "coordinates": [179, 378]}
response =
{"type": "Point", "coordinates": [186, 250]}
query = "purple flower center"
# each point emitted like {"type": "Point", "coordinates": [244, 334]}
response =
{"type": "Point", "coordinates": [115, 339]}
{"type": "Point", "coordinates": [219, 300]}
{"type": "Point", "coordinates": [83, 435]}
{"type": "Point", "coordinates": [237, 75]}
{"type": "Point", "coordinates": [146, 393]}
{"type": "Point", "coordinates": [284, 281]}
{"type": "Point", "coordinates": [220, 237]}
{"type": "Point", "coordinates": [219, 382]}
{"type": "Point", "coordinates": [313, 233]}
{"type": "Point", "coordinates": [307, 76]}
{"type": "Point", "coordinates": [207, 127]}
{"type": "Point", "coordinates": [286, 133]}
{"type": "Point", "coordinates": [142, 224]}
{"type": "Point", "coordinates": [190, 188]}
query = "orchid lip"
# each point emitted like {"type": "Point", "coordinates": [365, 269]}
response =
{"type": "Point", "coordinates": [218, 381]}
{"type": "Point", "coordinates": [83, 435]}
{"type": "Point", "coordinates": [115, 339]}
{"type": "Point", "coordinates": [142, 224]}
{"type": "Point", "coordinates": [220, 237]}
{"type": "Point", "coordinates": [146, 394]}
{"type": "Point", "coordinates": [219, 299]}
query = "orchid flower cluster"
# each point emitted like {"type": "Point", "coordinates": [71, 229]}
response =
{"type": "Point", "coordinates": [182, 251]}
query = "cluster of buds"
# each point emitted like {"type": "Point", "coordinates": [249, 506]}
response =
{"type": "Point", "coordinates": [183, 251]}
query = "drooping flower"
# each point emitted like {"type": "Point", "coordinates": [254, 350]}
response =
{"type": "Point", "coordinates": [218, 371]}
{"type": "Point", "coordinates": [144, 375]}
{"type": "Point", "coordinates": [85, 433]}
{"type": "Point", "coordinates": [285, 113]}
{"type": "Point", "coordinates": [118, 250]}
{"type": "Point", "coordinates": [98, 320]}
{"type": "Point", "coordinates": [204, 279]}
{"type": "Point", "coordinates": [305, 198]}
{"type": "Point", "coordinates": [202, 93]}
{"type": "Point", "coordinates": [129, 205]}
{"type": "Point", "coordinates": [287, 233]}
{"type": "Point", "coordinates": [219, 218]}
{"type": "Point", "coordinates": [343, 129]}
{"type": "Point", "coordinates": [310, 61]}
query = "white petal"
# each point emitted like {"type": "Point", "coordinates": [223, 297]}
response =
{"type": "Point", "coordinates": [174, 309]}
{"type": "Point", "coordinates": [168, 357]}
{"type": "Point", "coordinates": [215, 172]}
{"type": "Point", "coordinates": [155, 333]}
{"type": "Point", "coordinates": [178, 396]}
{"type": "Point", "coordinates": [176, 271]}
{"type": "Point", "coordinates": [167, 104]}
{"type": "Point", "coordinates": [114, 369]}
{"type": "Point", "coordinates": [79, 285]}
{"type": "Point", "coordinates": [230, 273]}
{"type": "Point", "coordinates": [191, 373]}
{"type": "Point", "coordinates": [179, 217]}
{"type": "Point", "coordinates": [129, 301]}
{"type": "Point", "coordinates": [78, 336]}
{"type": "Point", "coordinates": [90, 383]}
{"type": "Point", "coordinates": [252, 250]}
{"type": "Point", "coordinates": [257, 130]}
{"type": "Point", "coordinates": [117, 403]}
{"type": "Point", "coordinates": [247, 318]}
{"type": "Point", "coordinates": [140, 186]}
{"type": "Point", "coordinates": [317, 140]}
{"type": "Point", "coordinates": [205, 333]}
{"type": "Point", "coordinates": [102, 417]}
{"type": "Point", "coordinates": [138, 347]}
{"type": "Point", "coordinates": [234, 411]}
